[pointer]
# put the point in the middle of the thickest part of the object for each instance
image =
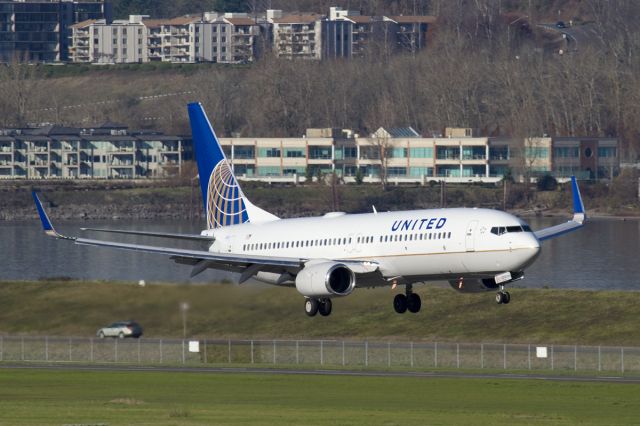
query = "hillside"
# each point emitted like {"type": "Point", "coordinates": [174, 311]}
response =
{"type": "Point", "coordinates": [225, 310]}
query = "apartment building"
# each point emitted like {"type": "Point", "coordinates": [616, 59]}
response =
{"type": "Point", "coordinates": [117, 42]}
{"type": "Point", "coordinates": [298, 36]}
{"type": "Point", "coordinates": [346, 33]}
{"type": "Point", "coordinates": [403, 155]}
{"type": "Point", "coordinates": [225, 38]}
{"type": "Point", "coordinates": [108, 151]}
{"type": "Point", "coordinates": [172, 40]}
{"type": "Point", "coordinates": [399, 155]}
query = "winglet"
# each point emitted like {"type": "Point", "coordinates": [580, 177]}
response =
{"type": "Point", "coordinates": [579, 214]}
{"type": "Point", "coordinates": [46, 223]}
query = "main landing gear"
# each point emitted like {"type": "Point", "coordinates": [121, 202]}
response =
{"type": "Point", "coordinates": [409, 301]}
{"type": "Point", "coordinates": [502, 297]}
{"type": "Point", "coordinates": [313, 306]}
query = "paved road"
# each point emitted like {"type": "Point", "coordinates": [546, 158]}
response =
{"type": "Point", "coordinates": [346, 373]}
{"type": "Point", "coordinates": [578, 35]}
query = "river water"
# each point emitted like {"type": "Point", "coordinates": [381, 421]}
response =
{"type": "Point", "coordinates": [603, 255]}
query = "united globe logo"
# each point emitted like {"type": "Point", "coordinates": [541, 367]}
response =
{"type": "Point", "coordinates": [224, 199]}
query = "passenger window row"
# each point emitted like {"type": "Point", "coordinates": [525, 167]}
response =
{"type": "Point", "coordinates": [344, 241]}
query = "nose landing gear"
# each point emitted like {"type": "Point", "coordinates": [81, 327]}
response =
{"type": "Point", "coordinates": [502, 297]}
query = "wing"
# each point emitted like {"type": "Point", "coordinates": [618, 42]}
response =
{"type": "Point", "coordinates": [578, 220]}
{"type": "Point", "coordinates": [199, 259]}
{"type": "Point", "coordinates": [193, 237]}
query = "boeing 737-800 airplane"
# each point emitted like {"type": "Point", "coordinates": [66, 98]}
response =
{"type": "Point", "coordinates": [329, 256]}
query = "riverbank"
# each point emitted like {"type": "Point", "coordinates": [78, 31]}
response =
{"type": "Point", "coordinates": [164, 199]}
{"type": "Point", "coordinates": [79, 308]}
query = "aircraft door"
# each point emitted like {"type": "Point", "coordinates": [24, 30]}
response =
{"type": "Point", "coordinates": [470, 239]}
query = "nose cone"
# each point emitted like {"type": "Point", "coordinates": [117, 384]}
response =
{"type": "Point", "coordinates": [532, 245]}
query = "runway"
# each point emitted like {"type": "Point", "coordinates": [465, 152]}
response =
{"type": "Point", "coordinates": [320, 372]}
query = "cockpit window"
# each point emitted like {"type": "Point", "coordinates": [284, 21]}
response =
{"type": "Point", "coordinates": [499, 230]}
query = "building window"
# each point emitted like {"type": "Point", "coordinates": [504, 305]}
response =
{"type": "Point", "coordinates": [268, 171]}
{"type": "Point", "coordinates": [244, 152]}
{"type": "Point", "coordinates": [319, 152]}
{"type": "Point", "coordinates": [294, 152]}
{"type": "Point", "coordinates": [448, 153]}
{"type": "Point", "coordinates": [369, 153]}
{"type": "Point", "coordinates": [473, 171]}
{"type": "Point", "coordinates": [607, 152]}
{"type": "Point", "coordinates": [397, 171]}
{"type": "Point", "coordinates": [396, 152]}
{"type": "Point", "coordinates": [420, 171]}
{"type": "Point", "coordinates": [498, 171]}
{"type": "Point", "coordinates": [536, 152]}
{"type": "Point", "coordinates": [421, 152]}
{"type": "Point", "coordinates": [474, 153]}
{"type": "Point", "coordinates": [448, 171]}
{"type": "Point", "coordinates": [566, 152]}
{"type": "Point", "coordinates": [290, 171]}
{"type": "Point", "coordinates": [269, 152]}
{"type": "Point", "coordinates": [499, 152]}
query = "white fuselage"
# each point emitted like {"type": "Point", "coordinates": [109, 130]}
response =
{"type": "Point", "coordinates": [416, 245]}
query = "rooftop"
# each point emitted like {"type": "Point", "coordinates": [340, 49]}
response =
{"type": "Point", "coordinates": [298, 19]}
{"type": "Point", "coordinates": [412, 19]}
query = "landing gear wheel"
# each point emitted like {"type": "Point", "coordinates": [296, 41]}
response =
{"type": "Point", "coordinates": [400, 303]}
{"type": "Point", "coordinates": [121, 335]}
{"type": "Point", "coordinates": [311, 307]}
{"type": "Point", "coordinates": [503, 297]}
{"type": "Point", "coordinates": [414, 303]}
{"type": "Point", "coordinates": [324, 307]}
{"type": "Point", "coordinates": [101, 335]}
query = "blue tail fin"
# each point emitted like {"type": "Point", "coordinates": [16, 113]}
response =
{"type": "Point", "coordinates": [224, 202]}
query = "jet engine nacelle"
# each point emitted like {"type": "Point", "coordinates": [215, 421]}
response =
{"type": "Point", "coordinates": [474, 285]}
{"type": "Point", "coordinates": [325, 279]}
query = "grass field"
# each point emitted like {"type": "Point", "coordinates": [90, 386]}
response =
{"type": "Point", "coordinates": [48, 397]}
{"type": "Point", "coordinates": [69, 308]}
